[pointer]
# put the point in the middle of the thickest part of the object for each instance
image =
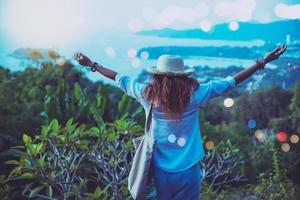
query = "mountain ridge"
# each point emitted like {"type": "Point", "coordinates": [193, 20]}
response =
{"type": "Point", "coordinates": [275, 32]}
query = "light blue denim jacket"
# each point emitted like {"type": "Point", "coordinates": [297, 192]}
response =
{"type": "Point", "coordinates": [178, 145]}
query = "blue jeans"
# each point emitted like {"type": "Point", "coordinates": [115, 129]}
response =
{"type": "Point", "coordinates": [184, 185]}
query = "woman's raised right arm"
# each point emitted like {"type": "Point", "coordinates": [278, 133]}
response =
{"type": "Point", "coordinates": [127, 84]}
{"type": "Point", "coordinates": [85, 61]}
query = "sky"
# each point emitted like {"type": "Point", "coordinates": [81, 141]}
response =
{"type": "Point", "coordinates": [135, 15]}
{"type": "Point", "coordinates": [51, 23]}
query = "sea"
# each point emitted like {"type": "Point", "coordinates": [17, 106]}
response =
{"type": "Point", "coordinates": [116, 50]}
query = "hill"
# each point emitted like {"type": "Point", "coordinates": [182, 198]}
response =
{"type": "Point", "coordinates": [272, 32]}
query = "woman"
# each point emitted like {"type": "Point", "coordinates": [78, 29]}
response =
{"type": "Point", "coordinates": [175, 124]}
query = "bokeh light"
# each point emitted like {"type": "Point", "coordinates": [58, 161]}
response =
{"type": "Point", "coordinates": [181, 141]}
{"type": "Point", "coordinates": [240, 10]}
{"type": "Point", "coordinates": [144, 55]}
{"type": "Point", "coordinates": [251, 123]}
{"type": "Point", "coordinates": [136, 63]}
{"type": "Point", "coordinates": [110, 52]}
{"type": "Point", "coordinates": [205, 25]}
{"type": "Point", "coordinates": [287, 11]}
{"type": "Point", "coordinates": [233, 26]}
{"type": "Point", "coordinates": [281, 136]}
{"type": "Point", "coordinates": [294, 138]}
{"type": "Point", "coordinates": [259, 134]}
{"type": "Point", "coordinates": [172, 14]}
{"type": "Point", "coordinates": [172, 138]}
{"type": "Point", "coordinates": [285, 147]}
{"type": "Point", "coordinates": [209, 145]}
{"type": "Point", "coordinates": [228, 102]}
{"type": "Point", "coordinates": [131, 53]}
{"type": "Point", "coordinates": [134, 25]}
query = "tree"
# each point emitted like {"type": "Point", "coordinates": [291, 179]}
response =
{"type": "Point", "coordinates": [295, 108]}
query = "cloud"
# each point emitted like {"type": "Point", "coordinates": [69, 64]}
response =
{"type": "Point", "coordinates": [172, 14]}
{"type": "Point", "coordinates": [240, 10]}
{"type": "Point", "coordinates": [287, 11]}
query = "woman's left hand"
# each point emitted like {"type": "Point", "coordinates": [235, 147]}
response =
{"type": "Point", "coordinates": [275, 54]}
{"type": "Point", "coordinates": [82, 59]}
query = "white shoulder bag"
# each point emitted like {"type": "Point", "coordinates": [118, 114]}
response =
{"type": "Point", "coordinates": [140, 169]}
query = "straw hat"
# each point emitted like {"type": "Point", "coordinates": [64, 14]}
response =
{"type": "Point", "coordinates": [170, 65]}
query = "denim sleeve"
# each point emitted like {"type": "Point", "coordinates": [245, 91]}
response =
{"type": "Point", "coordinates": [216, 88]}
{"type": "Point", "coordinates": [130, 86]}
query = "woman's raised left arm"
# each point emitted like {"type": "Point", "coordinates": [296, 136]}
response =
{"type": "Point", "coordinates": [241, 76]}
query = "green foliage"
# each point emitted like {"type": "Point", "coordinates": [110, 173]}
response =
{"type": "Point", "coordinates": [124, 105]}
{"type": "Point", "coordinates": [277, 186]}
{"type": "Point", "coordinates": [7, 191]}
{"type": "Point", "coordinates": [228, 193]}
{"type": "Point", "coordinates": [207, 192]}
{"type": "Point", "coordinates": [262, 106]}
{"type": "Point", "coordinates": [273, 186]}
{"type": "Point", "coordinates": [20, 106]}
{"type": "Point", "coordinates": [258, 156]}
{"type": "Point", "coordinates": [38, 95]}
{"type": "Point", "coordinates": [281, 123]}
{"type": "Point", "coordinates": [66, 101]}
{"type": "Point", "coordinates": [97, 149]}
{"type": "Point", "coordinates": [222, 166]}
{"type": "Point", "coordinates": [295, 108]}
{"type": "Point", "coordinates": [74, 161]}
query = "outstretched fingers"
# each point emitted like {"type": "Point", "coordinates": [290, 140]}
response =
{"type": "Point", "coordinates": [282, 50]}
{"type": "Point", "coordinates": [78, 56]}
{"type": "Point", "coordinates": [276, 50]}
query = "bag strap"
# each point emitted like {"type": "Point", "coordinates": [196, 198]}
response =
{"type": "Point", "coordinates": [149, 119]}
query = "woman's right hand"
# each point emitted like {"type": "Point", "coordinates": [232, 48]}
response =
{"type": "Point", "coordinates": [82, 59]}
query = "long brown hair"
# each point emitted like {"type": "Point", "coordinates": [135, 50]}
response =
{"type": "Point", "coordinates": [172, 92]}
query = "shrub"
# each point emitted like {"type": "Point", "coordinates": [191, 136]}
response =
{"type": "Point", "coordinates": [72, 161]}
{"type": "Point", "coordinates": [222, 166]}
{"type": "Point", "coordinates": [277, 185]}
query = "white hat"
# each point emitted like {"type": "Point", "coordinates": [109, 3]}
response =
{"type": "Point", "coordinates": [170, 65]}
